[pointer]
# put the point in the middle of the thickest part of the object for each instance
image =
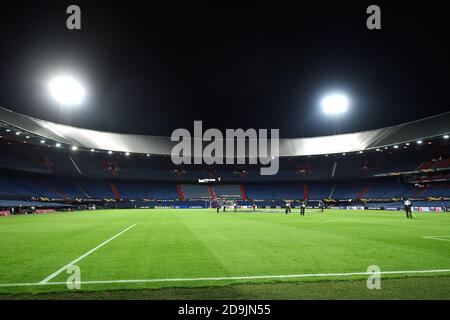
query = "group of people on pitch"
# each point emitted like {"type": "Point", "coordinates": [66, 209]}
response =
{"type": "Point", "coordinates": [287, 207]}
{"type": "Point", "coordinates": [223, 206]}
{"type": "Point", "coordinates": [407, 206]}
{"type": "Point", "coordinates": [303, 204]}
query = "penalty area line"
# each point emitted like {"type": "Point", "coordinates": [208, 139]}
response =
{"type": "Point", "coordinates": [57, 272]}
{"type": "Point", "coordinates": [288, 276]}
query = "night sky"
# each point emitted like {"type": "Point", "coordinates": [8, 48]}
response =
{"type": "Point", "coordinates": [151, 69]}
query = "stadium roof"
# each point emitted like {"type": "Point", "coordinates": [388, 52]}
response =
{"type": "Point", "coordinates": [428, 128]}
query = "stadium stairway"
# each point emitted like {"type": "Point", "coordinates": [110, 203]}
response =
{"type": "Point", "coordinates": [180, 192]}
{"type": "Point", "coordinates": [362, 194]}
{"type": "Point", "coordinates": [70, 188]}
{"type": "Point", "coordinates": [243, 192]}
{"type": "Point", "coordinates": [83, 192]}
{"type": "Point", "coordinates": [211, 192]}
{"type": "Point", "coordinates": [115, 190]}
{"type": "Point", "coordinates": [54, 189]}
{"type": "Point", "coordinates": [97, 190]}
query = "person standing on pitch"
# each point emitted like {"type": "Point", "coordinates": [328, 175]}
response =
{"type": "Point", "coordinates": [302, 208]}
{"type": "Point", "coordinates": [218, 206]}
{"type": "Point", "coordinates": [407, 205]}
{"type": "Point", "coordinates": [321, 206]}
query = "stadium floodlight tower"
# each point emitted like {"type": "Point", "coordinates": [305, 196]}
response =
{"type": "Point", "coordinates": [335, 105]}
{"type": "Point", "coordinates": [67, 92]}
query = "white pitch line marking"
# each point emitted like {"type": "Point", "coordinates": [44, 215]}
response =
{"type": "Point", "coordinates": [364, 220]}
{"type": "Point", "coordinates": [436, 238]}
{"type": "Point", "coordinates": [54, 274]}
{"type": "Point", "coordinates": [310, 275]}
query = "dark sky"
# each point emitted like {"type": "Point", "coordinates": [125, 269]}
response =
{"type": "Point", "coordinates": [151, 69]}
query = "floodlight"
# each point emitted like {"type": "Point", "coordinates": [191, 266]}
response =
{"type": "Point", "coordinates": [42, 141]}
{"type": "Point", "coordinates": [446, 136]}
{"type": "Point", "coordinates": [127, 154]}
{"type": "Point", "coordinates": [58, 145]}
{"type": "Point", "coordinates": [74, 148]}
{"type": "Point", "coordinates": [110, 152]}
{"type": "Point", "coordinates": [419, 141]}
{"type": "Point", "coordinates": [335, 104]}
{"type": "Point", "coordinates": [67, 91]}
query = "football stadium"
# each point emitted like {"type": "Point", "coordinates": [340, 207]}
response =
{"type": "Point", "coordinates": [116, 207]}
{"type": "Point", "coordinates": [224, 152]}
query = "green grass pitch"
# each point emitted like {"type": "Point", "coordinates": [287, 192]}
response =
{"type": "Point", "coordinates": [199, 254]}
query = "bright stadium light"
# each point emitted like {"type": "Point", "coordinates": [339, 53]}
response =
{"type": "Point", "coordinates": [67, 91]}
{"type": "Point", "coordinates": [58, 145]}
{"type": "Point", "coordinates": [446, 136]}
{"type": "Point", "coordinates": [335, 104]}
{"type": "Point", "coordinates": [74, 148]}
{"type": "Point", "coordinates": [419, 141]}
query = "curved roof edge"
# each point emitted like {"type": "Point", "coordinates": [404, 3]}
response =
{"type": "Point", "coordinates": [118, 142]}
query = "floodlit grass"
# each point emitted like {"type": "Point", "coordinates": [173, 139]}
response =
{"type": "Point", "coordinates": [175, 245]}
